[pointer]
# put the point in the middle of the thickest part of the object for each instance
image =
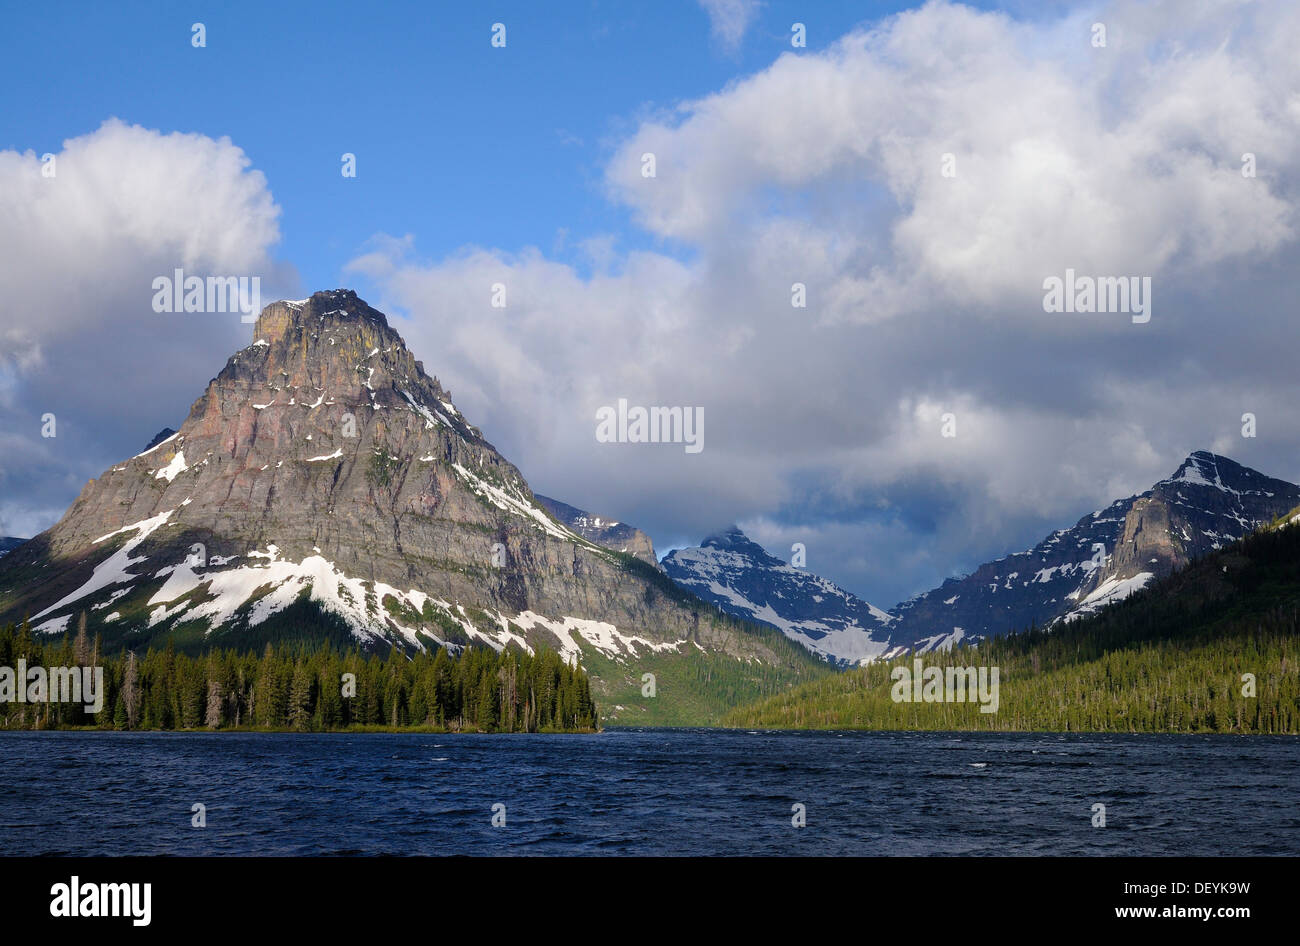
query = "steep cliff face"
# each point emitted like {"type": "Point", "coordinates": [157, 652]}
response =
{"type": "Point", "coordinates": [322, 466]}
{"type": "Point", "coordinates": [1208, 502]}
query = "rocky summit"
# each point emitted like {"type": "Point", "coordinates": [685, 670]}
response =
{"type": "Point", "coordinates": [739, 576]}
{"type": "Point", "coordinates": [1208, 502]}
{"type": "Point", "coordinates": [325, 484]}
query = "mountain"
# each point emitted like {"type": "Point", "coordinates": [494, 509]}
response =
{"type": "Point", "coordinates": [324, 486]}
{"type": "Point", "coordinates": [741, 578]}
{"type": "Point", "coordinates": [8, 543]}
{"type": "Point", "coordinates": [1208, 502]}
{"type": "Point", "coordinates": [163, 435]}
{"type": "Point", "coordinates": [602, 530]}
{"type": "Point", "coordinates": [1211, 647]}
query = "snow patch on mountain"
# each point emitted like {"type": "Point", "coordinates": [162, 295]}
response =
{"type": "Point", "coordinates": [150, 450]}
{"type": "Point", "coordinates": [113, 570]}
{"type": "Point", "coordinates": [1108, 592]}
{"type": "Point", "coordinates": [741, 578]}
{"type": "Point", "coordinates": [517, 505]}
{"type": "Point", "coordinates": [1208, 502]}
{"type": "Point", "coordinates": [174, 468]}
{"type": "Point", "coordinates": [602, 636]}
{"type": "Point", "coordinates": [939, 642]}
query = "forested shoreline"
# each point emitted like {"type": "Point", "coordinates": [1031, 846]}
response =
{"type": "Point", "coordinates": [1164, 687]}
{"type": "Point", "coordinates": [304, 689]}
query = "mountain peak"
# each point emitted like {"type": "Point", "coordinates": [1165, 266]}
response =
{"type": "Point", "coordinates": [741, 578]}
{"type": "Point", "coordinates": [1204, 458]}
{"type": "Point", "coordinates": [1209, 501]}
{"type": "Point", "coordinates": [165, 434]}
{"type": "Point", "coordinates": [333, 346]}
{"type": "Point", "coordinates": [324, 484]}
{"type": "Point", "coordinates": [276, 319]}
{"type": "Point", "coordinates": [1203, 468]}
{"type": "Point", "coordinates": [606, 532]}
{"type": "Point", "coordinates": [732, 539]}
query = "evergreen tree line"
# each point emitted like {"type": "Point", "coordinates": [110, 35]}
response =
{"type": "Point", "coordinates": [1159, 687]}
{"type": "Point", "coordinates": [306, 689]}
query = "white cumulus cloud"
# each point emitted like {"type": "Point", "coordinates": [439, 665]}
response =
{"type": "Point", "coordinates": [78, 335]}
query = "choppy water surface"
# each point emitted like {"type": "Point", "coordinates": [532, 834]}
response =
{"type": "Point", "coordinates": [648, 792]}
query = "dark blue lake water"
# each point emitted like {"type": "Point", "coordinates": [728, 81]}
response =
{"type": "Point", "coordinates": [648, 792]}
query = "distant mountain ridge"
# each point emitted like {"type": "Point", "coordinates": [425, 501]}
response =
{"type": "Point", "coordinates": [163, 435]}
{"type": "Point", "coordinates": [1208, 501]}
{"type": "Point", "coordinates": [741, 578]}
{"type": "Point", "coordinates": [606, 532]}
{"type": "Point", "coordinates": [1172, 657]}
{"type": "Point", "coordinates": [8, 543]}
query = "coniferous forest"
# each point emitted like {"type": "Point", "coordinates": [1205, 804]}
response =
{"type": "Point", "coordinates": [306, 689]}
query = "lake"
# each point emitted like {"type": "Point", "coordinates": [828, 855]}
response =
{"type": "Point", "coordinates": [648, 792]}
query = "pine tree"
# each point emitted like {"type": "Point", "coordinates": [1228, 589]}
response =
{"type": "Point", "coordinates": [485, 716]}
{"type": "Point", "coordinates": [212, 715]}
{"type": "Point", "coordinates": [131, 692]}
{"type": "Point", "coordinates": [300, 693]}
{"type": "Point", "coordinates": [81, 646]}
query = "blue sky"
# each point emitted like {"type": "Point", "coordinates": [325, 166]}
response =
{"type": "Point", "coordinates": [477, 164]}
{"type": "Point", "coordinates": [457, 142]}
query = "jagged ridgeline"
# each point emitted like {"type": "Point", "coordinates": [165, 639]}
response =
{"type": "Point", "coordinates": [1209, 501]}
{"type": "Point", "coordinates": [325, 488]}
{"type": "Point", "coordinates": [1213, 647]}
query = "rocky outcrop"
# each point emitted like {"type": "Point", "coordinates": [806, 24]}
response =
{"type": "Point", "coordinates": [606, 532]}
